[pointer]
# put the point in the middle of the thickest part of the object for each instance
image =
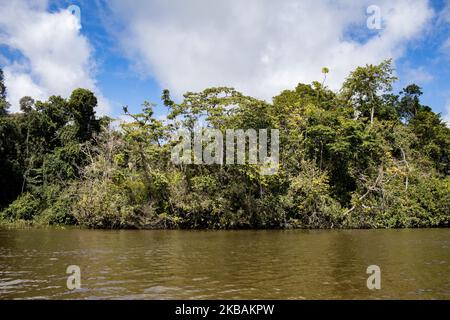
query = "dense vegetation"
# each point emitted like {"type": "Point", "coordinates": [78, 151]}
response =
{"type": "Point", "coordinates": [362, 157]}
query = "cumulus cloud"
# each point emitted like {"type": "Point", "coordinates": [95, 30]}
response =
{"type": "Point", "coordinates": [444, 20]}
{"type": "Point", "coordinates": [261, 46]}
{"type": "Point", "coordinates": [444, 15]}
{"type": "Point", "coordinates": [53, 56]}
{"type": "Point", "coordinates": [418, 75]}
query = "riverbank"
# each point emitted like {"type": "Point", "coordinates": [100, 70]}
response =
{"type": "Point", "coordinates": [337, 160]}
{"type": "Point", "coordinates": [27, 224]}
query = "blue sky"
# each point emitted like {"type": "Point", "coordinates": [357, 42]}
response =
{"type": "Point", "coordinates": [128, 53]}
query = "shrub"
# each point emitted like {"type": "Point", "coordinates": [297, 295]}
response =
{"type": "Point", "coordinates": [26, 207]}
{"type": "Point", "coordinates": [101, 204]}
{"type": "Point", "coordinates": [58, 210]}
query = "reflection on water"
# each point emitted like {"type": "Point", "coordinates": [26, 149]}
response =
{"type": "Point", "coordinates": [415, 264]}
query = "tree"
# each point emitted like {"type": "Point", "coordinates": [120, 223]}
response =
{"type": "Point", "coordinates": [4, 105]}
{"type": "Point", "coordinates": [26, 104]}
{"type": "Point", "coordinates": [325, 71]}
{"type": "Point", "coordinates": [410, 102]}
{"type": "Point", "coordinates": [388, 167]}
{"type": "Point", "coordinates": [82, 104]}
{"type": "Point", "coordinates": [433, 138]}
{"type": "Point", "coordinates": [364, 86]}
{"type": "Point", "coordinates": [40, 148]}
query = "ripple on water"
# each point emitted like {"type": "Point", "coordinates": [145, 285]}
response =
{"type": "Point", "coordinates": [213, 265]}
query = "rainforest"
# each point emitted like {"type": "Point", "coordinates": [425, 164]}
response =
{"type": "Point", "coordinates": [363, 156]}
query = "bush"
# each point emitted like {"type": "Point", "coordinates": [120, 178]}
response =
{"type": "Point", "coordinates": [425, 203]}
{"type": "Point", "coordinates": [101, 204]}
{"type": "Point", "coordinates": [58, 210]}
{"type": "Point", "coordinates": [313, 205]}
{"type": "Point", "coordinates": [26, 207]}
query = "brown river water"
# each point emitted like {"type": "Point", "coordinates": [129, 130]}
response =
{"type": "Point", "coordinates": [297, 264]}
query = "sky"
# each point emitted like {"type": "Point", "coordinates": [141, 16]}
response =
{"type": "Point", "coordinates": [127, 52]}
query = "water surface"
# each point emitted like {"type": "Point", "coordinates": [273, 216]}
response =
{"type": "Point", "coordinates": [415, 264]}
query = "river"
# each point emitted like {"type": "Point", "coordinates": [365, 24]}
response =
{"type": "Point", "coordinates": [296, 264]}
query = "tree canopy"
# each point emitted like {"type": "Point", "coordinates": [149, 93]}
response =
{"type": "Point", "coordinates": [361, 157]}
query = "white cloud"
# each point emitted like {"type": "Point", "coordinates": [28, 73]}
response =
{"type": "Point", "coordinates": [261, 46]}
{"type": "Point", "coordinates": [446, 116]}
{"type": "Point", "coordinates": [20, 84]}
{"type": "Point", "coordinates": [118, 121]}
{"type": "Point", "coordinates": [418, 76]}
{"type": "Point", "coordinates": [444, 15]}
{"type": "Point", "coordinates": [444, 19]}
{"type": "Point", "coordinates": [56, 57]}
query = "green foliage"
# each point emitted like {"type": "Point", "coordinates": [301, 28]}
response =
{"type": "Point", "coordinates": [4, 105]}
{"type": "Point", "coordinates": [81, 104]}
{"type": "Point", "coordinates": [365, 86]}
{"type": "Point", "coordinates": [433, 138]}
{"type": "Point", "coordinates": [311, 198]}
{"type": "Point", "coordinates": [410, 105]}
{"type": "Point", "coordinates": [362, 157]}
{"type": "Point", "coordinates": [103, 205]}
{"type": "Point", "coordinates": [26, 104]}
{"type": "Point", "coordinates": [10, 162]}
{"type": "Point", "coordinates": [23, 208]}
{"type": "Point", "coordinates": [57, 201]}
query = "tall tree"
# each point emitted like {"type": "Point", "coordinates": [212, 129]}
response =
{"type": "Point", "coordinates": [26, 104]}
{"type": "Point", "coordinates": [365, 86]}
{"type": "Point", "coordinates": [82, 103]}
{"type": "Point", "coordinates": [4, 105]}
{"type": "Point", "coordinates": [410, 102]}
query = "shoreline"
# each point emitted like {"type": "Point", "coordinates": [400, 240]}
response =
{"type": "Point", "coordinates": [24, 225]}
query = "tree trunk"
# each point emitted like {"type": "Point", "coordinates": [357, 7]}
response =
{"type": "Point", "coordinates": [372, 114]}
